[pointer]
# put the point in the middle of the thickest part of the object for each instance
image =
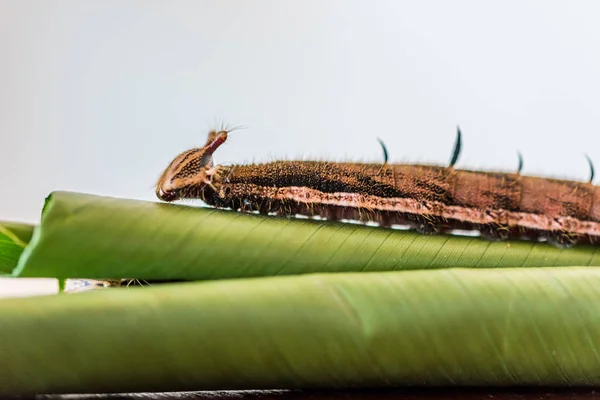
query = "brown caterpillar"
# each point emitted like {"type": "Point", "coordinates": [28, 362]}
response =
{"type": "Point", "coordinates": [430, 199]}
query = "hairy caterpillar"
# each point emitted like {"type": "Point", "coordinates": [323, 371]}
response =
{"type": "Point", "coordinates": [430, 199]}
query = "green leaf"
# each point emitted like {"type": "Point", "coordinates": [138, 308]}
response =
{"type": "Point", "coordinates": [13, 240]}
{"type": "Point", "coordinates": [494, 327]}
{"type": "Point", "coordinates": [86, 236]}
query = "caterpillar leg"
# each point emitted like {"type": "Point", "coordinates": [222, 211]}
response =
{"type": "Point", "coordinates": [427, 225]}
{"type": "Point", "coordinates": [562, 240]}
{"type": "Point", "coordinates": [495, 232]}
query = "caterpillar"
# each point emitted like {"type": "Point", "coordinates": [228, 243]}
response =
{"type": "Point", "coordinates": [427, 198]}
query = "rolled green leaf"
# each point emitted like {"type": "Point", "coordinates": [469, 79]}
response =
{"type": "Point", "coordinates": [13, 240]}
{"type": "Point", "coordinates": [494, 327]}
{"type": "Point", "coordinates": [86, 236]}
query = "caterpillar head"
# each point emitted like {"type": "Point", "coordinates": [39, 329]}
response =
{"type": "Point", "coordinates": [190, 172]}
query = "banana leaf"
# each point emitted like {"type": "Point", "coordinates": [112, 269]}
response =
{"type": "Point", "coordinates": [473, 327]}
{"type": "Point", "coordinates": [13, 240]}
{"type": "Point", "coordinates": [87, 236]}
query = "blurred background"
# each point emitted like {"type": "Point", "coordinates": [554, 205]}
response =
{"type": "Point", "coordinates": [99, 96]}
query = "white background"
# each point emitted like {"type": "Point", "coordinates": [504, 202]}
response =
{"type": "Point", "coordinates": [99, 96]}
